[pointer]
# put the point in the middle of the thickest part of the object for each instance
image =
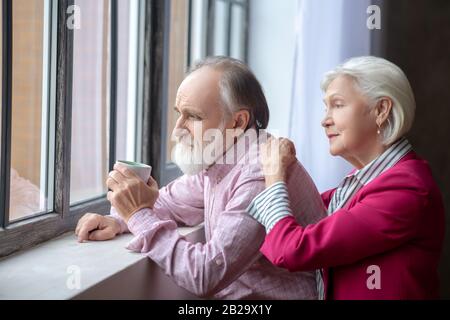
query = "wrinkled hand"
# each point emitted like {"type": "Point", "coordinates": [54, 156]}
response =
{"type": "Point", "coordinates": [93, 226]}
{"type": "Point", "coordinates": [129, 193]}
{"type": "Point", "coordinates": [276, 156]}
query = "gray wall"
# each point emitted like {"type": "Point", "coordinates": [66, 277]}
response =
{"type": "Point", "coordinates": [416, 36]}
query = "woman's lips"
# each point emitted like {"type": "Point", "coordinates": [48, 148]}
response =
{"type": "Point", "coordinates": [332, 135]}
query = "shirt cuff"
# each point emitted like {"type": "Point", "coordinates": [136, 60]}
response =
{"type": "Point", "coordinates": [115, 215]}
{"type": "Point", "coordinates": [142, 221]}
{"type": "Point", "coordinates": [271, 205]}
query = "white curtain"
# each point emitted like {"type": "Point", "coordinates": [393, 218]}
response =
{"type": "Point", "coordinates": [328, 32]}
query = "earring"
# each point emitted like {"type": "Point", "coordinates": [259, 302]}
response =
{"type": "Point", "coordinates": [378, 131]}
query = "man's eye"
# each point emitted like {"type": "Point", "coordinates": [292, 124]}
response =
{"type": "Point", "coordinates": [194, 117]}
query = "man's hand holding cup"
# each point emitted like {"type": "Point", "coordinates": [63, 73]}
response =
{"type": "Point", "coordinates": [132, 188]}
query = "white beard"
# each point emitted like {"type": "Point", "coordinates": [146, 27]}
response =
{"type": "Point", "coordinates": [188, 159]}
{"type": "Point", "coordinates": [192, 156]}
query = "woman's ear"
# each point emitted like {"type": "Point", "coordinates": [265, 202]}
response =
{"type": "Point", "coordinates": [383, 109]}
{"type": "Point", "coordinates": [241, 119]}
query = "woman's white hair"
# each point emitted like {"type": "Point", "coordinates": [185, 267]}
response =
{"type": "Point", "coordinates": [378, 78]}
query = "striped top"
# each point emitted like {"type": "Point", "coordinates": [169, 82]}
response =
{"type": "Point", "coordinates": [359, 178]}
{"type": "Point", "coordinates": [272, 205]}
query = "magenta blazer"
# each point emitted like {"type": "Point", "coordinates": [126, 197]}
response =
{"type": "Point", "coordinates": [384, 244]}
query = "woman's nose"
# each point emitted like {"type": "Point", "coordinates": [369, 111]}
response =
{"type": "Point", "coordinates": [326, 121]}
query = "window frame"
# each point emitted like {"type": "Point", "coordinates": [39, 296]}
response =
{"type": "Point", "coordinates": [6, 114]}
{"type": "Point", "coordinates": [155, 86]}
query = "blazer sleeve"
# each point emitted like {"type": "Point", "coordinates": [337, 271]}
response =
{"type": "Point", "coordinates": [326, 197]}
{"type": "Point", "coordinates": [384, 217]}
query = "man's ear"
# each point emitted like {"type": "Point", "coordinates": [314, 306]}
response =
{"type": "Point", "coordinates": [241, 119]}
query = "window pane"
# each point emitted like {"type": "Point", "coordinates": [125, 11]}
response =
{"type": "Point", "coordinates": [127, 56]}
{"type": "Point", "coordinates": [29, 146]}
{"type": "Point", "coordinates": [1, 76]}
{"type": "Point", "coordinates": [177, 62]}
{"type": "Point", "coordinates": [221, 28]}
{"type": "Point", "coordinates": [197, 37]}
{"type": "Point", "coordinates": [90, 100]}
{"type": "Point", "coordinates": [238, 25]}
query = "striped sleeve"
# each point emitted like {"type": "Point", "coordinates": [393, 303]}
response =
{"type": "Point", "coordinates": [271, 205]}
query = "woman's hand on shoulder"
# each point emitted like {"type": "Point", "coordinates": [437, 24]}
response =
{"type": "Point", "coordinates": [276, 156]}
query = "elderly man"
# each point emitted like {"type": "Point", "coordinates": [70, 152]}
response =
{"type": "Point", "coordinates": [218, 94]}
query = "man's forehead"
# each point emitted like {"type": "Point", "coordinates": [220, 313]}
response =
{"type": "Point", "coordinates": [181, 97]}
{"type": "Point", "coordinates": [202, 86]}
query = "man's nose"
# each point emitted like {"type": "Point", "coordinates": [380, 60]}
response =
{"type": "Point", "coordinates": [180, 124]}
{"type": "Point", "coordinates": [180, 128]}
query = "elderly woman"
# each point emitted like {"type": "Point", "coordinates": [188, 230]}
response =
{"type": "Point", "coordinates": [383, 235]}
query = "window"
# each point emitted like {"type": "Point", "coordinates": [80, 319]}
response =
{"type": "Point", "coordinates": [90, 101]}
{"type": "Point", "coordinates": [218, 27]}
{"type": "Point", "coordinates": [30, 180]}
{"type": "Point", "coordinates": [129, 82]}
{"type": "Point", "coordinates": [3, 129]}
{"type": "Point", "coordinates": [79, 94]}
{"type": "Point", "coordinates": [65, 114]}
{"type": "Point", "coordinates": [178, 62]}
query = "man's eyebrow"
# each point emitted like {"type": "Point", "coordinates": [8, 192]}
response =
{"type": "Point", "coordinates": [190, 111]}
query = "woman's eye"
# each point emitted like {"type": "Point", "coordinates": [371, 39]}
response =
{"type": "Point", "coordinates": [338, 105]}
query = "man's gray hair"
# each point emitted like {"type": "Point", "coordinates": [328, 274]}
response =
{"type": "Point", "coordinates": [239, 89]}
{"type": "Point", "coordinates": [377, 78]}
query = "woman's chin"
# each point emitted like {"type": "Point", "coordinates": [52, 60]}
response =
{"type": "Point", "coordinates": [334, 151]}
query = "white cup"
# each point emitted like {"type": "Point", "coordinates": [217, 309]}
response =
{"type": "Point", "coordinates": [142, 170]}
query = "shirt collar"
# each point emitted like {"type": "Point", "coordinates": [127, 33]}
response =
{"type": "Point", "coordinates": [383, 162]}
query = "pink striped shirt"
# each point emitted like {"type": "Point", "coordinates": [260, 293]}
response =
{"type": "Point", "coordinates": [229, 265]}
